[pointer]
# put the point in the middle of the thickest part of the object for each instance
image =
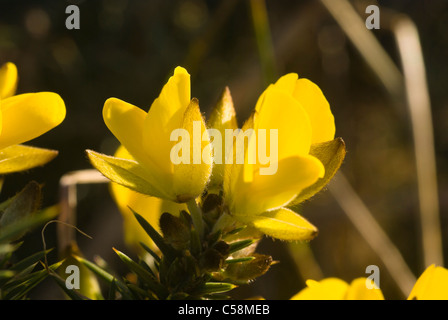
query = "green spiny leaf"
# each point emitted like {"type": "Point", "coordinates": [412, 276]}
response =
{"type": "Point", "coordinates": [239, 245]}
{"type": "Point", "coordinates": [148, 279]}
{"type": "Point", "coordinates": [26, 262]}
{"type": "Point", "coordinates": [215, 287]}
{"type": "Point", "coordinates": [166, 249]}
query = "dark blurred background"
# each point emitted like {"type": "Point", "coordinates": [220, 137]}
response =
{"type": "Point", "coordinates": [128, 48]}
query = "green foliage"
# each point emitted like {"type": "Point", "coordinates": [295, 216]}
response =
{"type": "Point", "coordinates": [186, 265]}
{"type": "Point", "coordinates": [19, 215]}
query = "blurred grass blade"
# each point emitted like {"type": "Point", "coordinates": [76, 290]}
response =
{"type": "Point", "coordinates": [263, 36]}
{"type": "Point", "coordinates": [419, 106]}
{"type": "Point", "coordinates": [367, 44]}
{"type": "Point", "coordinates": [373, 233]}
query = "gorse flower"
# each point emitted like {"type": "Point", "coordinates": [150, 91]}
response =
{"type": "Point", "coordinates": [24, 117]}
{"type": "Point", "coordinates": [431, 285]}
{"type": "Point", "coordinates": [299, 112]}
{"type": "Point", "coordinates": [337, 289]}
{"type": "Point", "coordinates": [147, 137]}
{"type": "Point", "coordinates": [290, 134]}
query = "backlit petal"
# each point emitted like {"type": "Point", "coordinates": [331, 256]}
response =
{"type": "Point", "coordinates": [164, 116]}
{"type": "Point", "coordinates": [287, 82]}
{"type": "Point", "coordinates": [431, 285]}
{"type": "Point", "coordinates": [8, 80]}
{"type": "Point", "coordinates": [125, 121]}
{"type": "Point", "coordinates": [279, 111]}
{"type": "Point", "coordinates": [326, 289]}
{"type": "Point", "coordinates": [358, 290]}
{"type": "Point", "coordinates": [267, 192]}
{"type": "Point", "coordinates": [318, 109]}
{"type": "Point", "coordinates": [27, 116]}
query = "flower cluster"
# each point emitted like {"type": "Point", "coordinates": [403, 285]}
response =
{"type": "Point", "coordinates": [232, 192]}
{"type": "Point", "coordinates": [307, 155]}
{"type": "Point", "coordinates": [194, 208]}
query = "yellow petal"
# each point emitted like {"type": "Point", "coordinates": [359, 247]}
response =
{"type": "Point", "coordinates": [326, 289]}
{"type": "Point", "coordinates": [283, 118]}
{"type": "Point", "coordinates": [318, 109]}
{"type": "Point", "coordinates": [27, 116]}
{"type": "Point", "coordinates": [268, 192]}
{"type": "Point", "coordinates": [8, 80]}
{"type": "Point", "coordinates": [191, 178]}
{"type": "Point", "coordinates": [358, 291]}
{"type": "Point", "coordinates": [282, 224]}
{"type": "Point", "coordinates": [431, 285]}
{"type": "Point", "coordinates": [287, 82]}
{"type": "Point", "coordinates": [164, 116]}
{"type": "Point", "coordinates": [280, 111]}
{"type": "Point", "coordinates": [125, 121]}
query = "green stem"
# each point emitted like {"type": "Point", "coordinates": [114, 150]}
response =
{"type": "Point", "coordinates": [196, 216]}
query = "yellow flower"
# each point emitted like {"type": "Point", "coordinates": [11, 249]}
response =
{"type": "Point", "coordinates": [431, 285]}
{"type": "Point", "coordinates": [300, 117]}
{"type": "Point", "coordinates": [148, 138]}
{"type": "Point", "coordinates": [337, 289]}
{"type": "Point", "coordinates": [150, 208]}
{"type": "Point", "coordinates": [24, 117]}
